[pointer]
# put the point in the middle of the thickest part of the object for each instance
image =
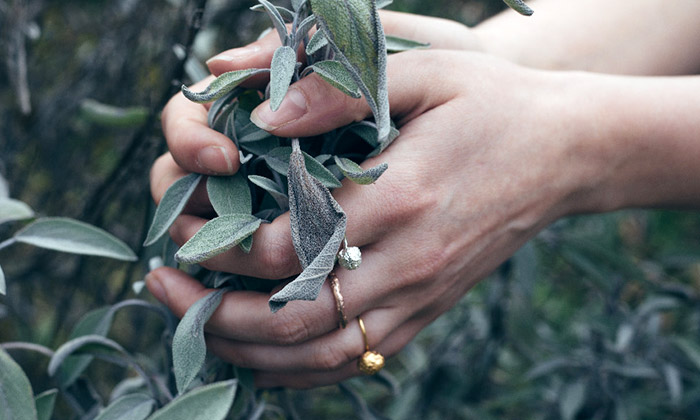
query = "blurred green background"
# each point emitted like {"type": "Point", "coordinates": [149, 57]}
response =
{"type": "Point", "coordinates": [598, 317]}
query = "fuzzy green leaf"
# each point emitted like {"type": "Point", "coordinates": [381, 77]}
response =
{"type": "Point", "coordinates": [277, 20]}
{"type": "Point", "coordinates": [519, 6]}
{"type": "Point", "coordinates": [318, 40]}
{"type": "Point", "coordinates": [272, 188]}
{"type": "Point", "coordinates": [128, 407]}
{"type": "Point", "coordinates": [338, 76]}
{"type": "Point", "coordinates": [278, 161]}
{"type": "Point", "coordinates": [88, 343]}
{"type": "Point", "coordinates": [247, 244]}
{"type": "Point", "coordinates": [284, 61]}
{"type": "Point", "coordinates": [170, 206]}
{"type": "Point", "coordinates": [304, 27]}
{"type": "Point", "coordinates": [221, 85]}
{"type": "Point", "coordinates": [318, 228]}
{"type": "Point", "coordinates": [12, 210]}
{"type": "Point", "coordinates": [72, 236]}
{"type": "Point", "coordinates": [189, 348]}
{"type": "Point", "coordinates": [45, 403]}
{"type": "Point", "coordinates": [229, 194]}
{"type": "Point", "coordinates": [355, 32]}
{"type": "Point", "coordinates": [286, 14]}
{"type": "Point", "coordinates": [16, 396]}
{"type": "Point", "coordinates": [354, 172]}
{"type": "Point", "coordinates": [216, 236]}
{"type": "Point", "coordinates": [211, 402]}
{"type": "Point", "coordinates": [397, 44]}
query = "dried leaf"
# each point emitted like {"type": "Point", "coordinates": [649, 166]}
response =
{"type": "Point", "coordinates": [318, 40]}
{"type": "Point", "coordinates": [284, 61]}
{"type": "Point", "coordinates": [338, 76]}
{"type": "Point", "coordinates": [15, 391]}
{"type": "Point", "coordinates": [211, 402]}
{"type": "Point", "coordinates": [396, 44]}
{"type": "Point", "coordinates": [318, 228]}
{"type": "Point", "coordinates": [519, 6]}
{"type": "Point", "coordinates": [277, 20]}
{"type": "Point", "coordinates": [278, 161]}
{"type": "Point", "coordinates": [354, 172]}
{"type": "Point", "coordinates": [72, 236]}
{"type": "Point", "coordinates": [170, 206]}
{"type": "Point", "coordinates": [45, 403]}
{"type": "Point", "coordinates": [229, 194]}
{"type": "Point", "coordinates": [222, 85]}
{"type": "Point", "coordinates": [128, 407]}
{"type": "Point", "coordinates": [355, 33]}
{"type": "Point", "coordinates": [272, 188]}
{"type": "Point", "coordinates": [13, 210]}
{"type": "Point", "coordinates": [189, 348]}
{"type": "Point", "coordinates": [216, 236]}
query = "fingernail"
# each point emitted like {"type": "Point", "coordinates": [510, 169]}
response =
{"type": "Point", "coordinates": [215, 159]}
{"type": "Point", "coordinates": [292, 108]}
{"type": "Point", "coordinates": [235, 54]}
{"type": "Point", "coordinates": [156, 287]}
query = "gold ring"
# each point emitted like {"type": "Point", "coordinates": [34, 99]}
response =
{"type": "Point", "coordinates": [371, 362]}
{"type": "Point", "coordinates": [339, 303]}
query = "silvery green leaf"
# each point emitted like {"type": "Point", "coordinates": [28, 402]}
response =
{"type": "Point", "coordinates": [286, 14]}
{"type": "Point", "coordinates": [170, 206]}
{"type": "Point", "coordinates": [398, 44]}
{"type": "Point", "coordinates": [112, 116]}
{"type": "Point", "coordinates": [210, 402]}
{"type": "Point", "coordinates": [383, 3]}
{"type": "Point", "coordinates": [297, 4]}
{"type": "Point", "coordinates": [247, 244]}
{"type": "Point", "coordinates": [261, 147]}
{"type": "Point", "coordinates": [318, 40]}
{"type": "Point", "coordinates": [284, 61]}
{"type": "Point", "coordinates": [12, 210]}
{"type": "Point", "coordinates": [393, 134]}
{"type": "Point", "coordinates": [277, 20]}
{"type": "Point", "coordinates": [245, 130]}
{"type": "Point", "coordinates": [222, 85]}
{"type": "Point", "coordinates": [272, 188]}
{"type": "Point", "coordinates": [278, 161]}
{"type": "Point", "coordinates": [216, 236]}
{"type": "Point", "coordinates": [354, 172]}
{"type": "Point", "coordinates": [229, 194]}
{"type": "Point", "coordinates": [97, 322]}
{"type": "Point", "coordinates": [318, 228]}
{"type": "Point", "coordinates": [128, 407]}
{"type": "Point", "coordinates": [220, 108]}
{"type": "Point", "coordinates": [3, 285]}
{"type": "Point", "coordinates": [45, 403]}
{"type": "Point", "coordinates": [571, 400]}
{"type": "Point", "coordinates": [91, 343]}
{"type": "Point", "coordinates": [305, 26]}
{"type": "Point", "coordinates": [338, 76]}
{"type": "Point", "coordinates": [189, 348]}
{"type": "Point", "coordinates": [355, 32]}
{"type": "Point", "coordinates": [519, 6]}
{"type": "Point", "coordinates": [16, 393]}
{"type": "Point", "coordinates": [674, 382]}
{"type": "Point", "coordinates": [68, 235]}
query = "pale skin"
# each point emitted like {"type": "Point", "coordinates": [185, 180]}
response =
{"type": "Point", "coordinates": [493, 148]}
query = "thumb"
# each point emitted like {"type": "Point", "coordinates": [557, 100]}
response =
{"type": "Point", "coordinates": [313, 107]}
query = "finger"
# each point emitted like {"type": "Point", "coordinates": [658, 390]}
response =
{"type": "Point", "coordinates": [164, 172]}
{"type": "Point", "coordinates": [439, 33]}
{"type": "Point", "coordinates": [245, 316]}
{"type": "Point", "coordinates": [195, 146]}
{"type": "Point", "coordinates": [312, 106]}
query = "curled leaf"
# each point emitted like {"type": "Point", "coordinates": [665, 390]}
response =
{"type": "Point", "coordinates": [221, 85]}
{"type": "Point", "coordinates": [519, 6]}
{"type": "Point", "coordinates": [354, 172]}
{"type": "Point", "coordinates": [170, 206]}
{"type": "Point", "coordinates": [216, 236]}
{"type": "Point", "coordinates": [318, 228]}
{"type": "Point", "coordinates": [189, 348]}
{"type": "Point", "coordinates": [338, 76]}
{"type": "Point", "coordinates": [284, 61]}
{"type": "Point", "coordinates": [72, 236]}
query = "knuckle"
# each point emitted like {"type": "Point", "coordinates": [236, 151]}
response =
{"type": "Point", "coordinates": [330, 358]}
{"type": "Point", "coordinates": [288, 330]}
{"type": "Point", "coordinates": [278, 259]}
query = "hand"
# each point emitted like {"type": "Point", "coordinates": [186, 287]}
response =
{"type": "Point", "coordinates": [476, 172]}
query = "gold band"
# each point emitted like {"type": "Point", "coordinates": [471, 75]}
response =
{"type": "Point", "coordinates": [371, 362]}
{"type": "Point", "coordinates": [339, 302]}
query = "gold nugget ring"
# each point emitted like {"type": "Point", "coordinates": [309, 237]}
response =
{"type": "Point", "coordinates": [371, 362]}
